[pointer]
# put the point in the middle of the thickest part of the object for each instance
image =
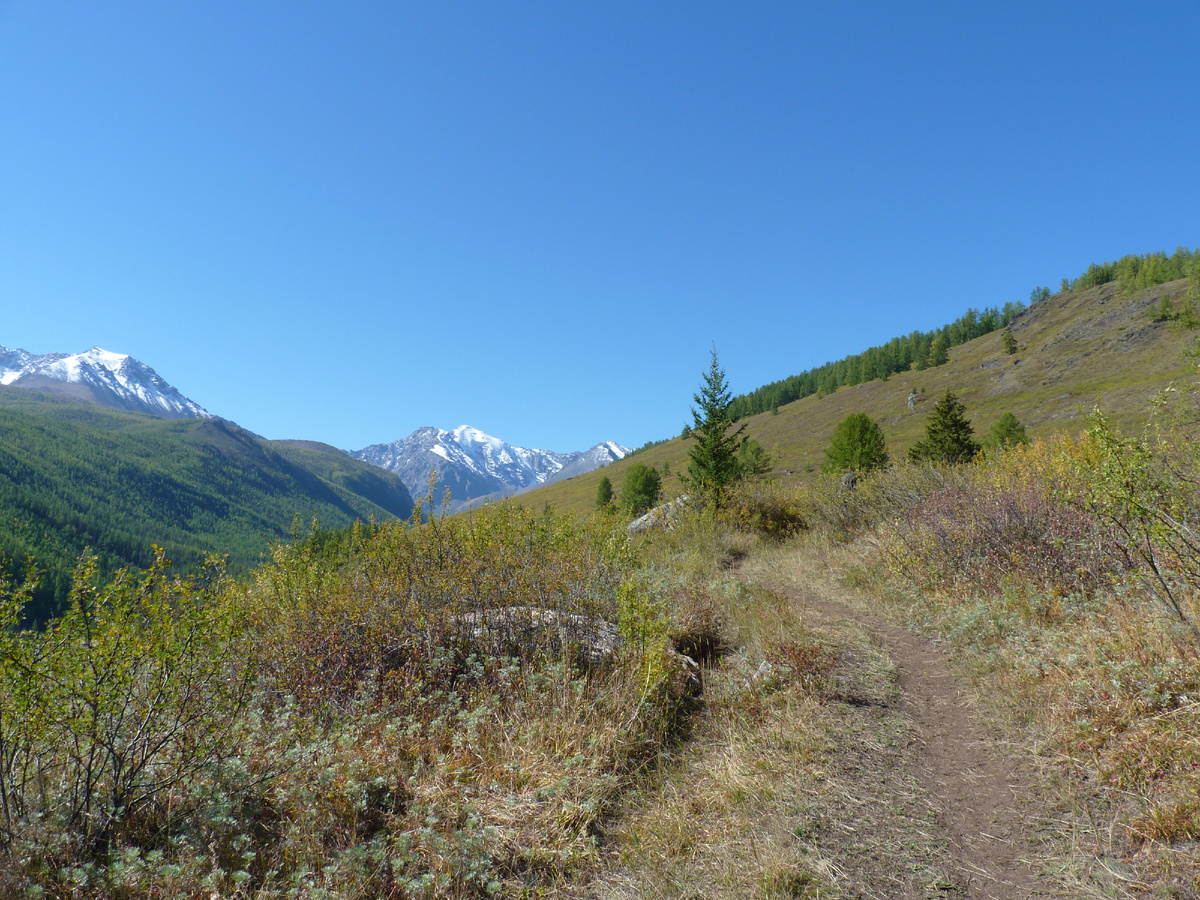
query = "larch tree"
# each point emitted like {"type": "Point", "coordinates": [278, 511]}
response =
{"type": "Point", "coordinates": [640, 489]}
{"type": "Point", "coordinates": [857, 445]}
{"type": "Point", "coordinates": [1008, 432]}
{"type": "Point", "coordinates": [604, 493]}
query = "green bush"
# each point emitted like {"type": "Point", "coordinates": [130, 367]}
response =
{"type": "Point", "coordinates": [118, 704]}
{"type": "Point", "coordinates": [640, 489]}
{"type": "Point", "coordinates": [857, 445]}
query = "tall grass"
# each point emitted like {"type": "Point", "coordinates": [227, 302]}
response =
{"type": "Point", "coordinates": [1066, 573]}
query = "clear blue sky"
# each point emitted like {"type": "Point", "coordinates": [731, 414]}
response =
{"type": "Point", "coordinates": [342, 221]}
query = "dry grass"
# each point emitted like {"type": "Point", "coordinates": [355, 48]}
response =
{"type": "Point", "coordinates": [801, 781]}
{"type": "Point", "coordinates": [1078, 350]}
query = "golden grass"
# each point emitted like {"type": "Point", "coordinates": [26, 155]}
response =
{"type": "Point", "coordinates": [1077, 350]}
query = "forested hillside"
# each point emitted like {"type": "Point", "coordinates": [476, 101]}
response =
{"type": "Point", "coordinates": [75, 476]}
{"type": "Point", "coordinates": [1111, 338]}
{"type": "Point", "coordinates": [921, 350]}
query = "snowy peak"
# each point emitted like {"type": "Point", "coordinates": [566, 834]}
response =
{"type": "Point", "coordinates": [110, 379]}
{"type": "Point", "coordinates": [472, 464]}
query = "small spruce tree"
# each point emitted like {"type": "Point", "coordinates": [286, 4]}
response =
{"type": "Point", "coordinates": [857, 445]}
{"type": "Point", "coordinates": [948, 435]}
{"type": "Point", "coordinates": [1010, 342]}
{"type": "Point", "coordinates": [712, 461]}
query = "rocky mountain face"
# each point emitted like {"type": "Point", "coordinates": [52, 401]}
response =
{"type": "Point", "coordinates": [473, 465]}
{"type": "Point", "coordinates": [116, 380]}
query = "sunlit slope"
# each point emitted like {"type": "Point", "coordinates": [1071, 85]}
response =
{"type": "Point", "coordinates": [1076, 351]}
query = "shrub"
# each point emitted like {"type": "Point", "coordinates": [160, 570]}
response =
{"type": "Point", "coordinates": [640, 489]}
{"type": "Point", "coordinates": [119, 704]}
{"type": "Point", "coordinates": [1004, 522]}
{"type": "Point", "coordinates": [764, 507]}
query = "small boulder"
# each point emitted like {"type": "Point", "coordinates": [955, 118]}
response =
{"type": "Point", "coordinates": [660, 517]}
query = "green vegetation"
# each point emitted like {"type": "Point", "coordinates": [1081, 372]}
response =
{"type": "Point", "coordinates": [649, 445]}
{"type": "Point", "coordinates": [75, 477]}
{"type": "Point", "coordinates": [752, 457]}
{"type": "Point", "coordinates": [918, 350]}
{"type": "Point", "coordinates": [604, 493]}
{"type": "Point", "coordinates": [949, 437]}
{"type": "Point", "coordinates": [640, 489]}
{"type": "Point", "coordinates": [408, 711]}
{"type": "Point", "coordinates": [1007, 432]}
{"type": "Point", "coordinates": [1136, 273]}
{"type": "Point", "coordinates": [1010, 342]}
{"type": "Point", "coordinates": [128, 696]}
{"type": "Point", "coordinates": [713, 461]}
{"type": "Point", "coordinates": [857, 445]}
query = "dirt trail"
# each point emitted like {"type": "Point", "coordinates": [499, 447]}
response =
{"type": "Point", "coordinates": [975, 785]}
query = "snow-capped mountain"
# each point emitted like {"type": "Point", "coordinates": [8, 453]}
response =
{"type": "Point", "coordinates": [110, 379]}
{"type": "Point", "coordinates": [474, 465]}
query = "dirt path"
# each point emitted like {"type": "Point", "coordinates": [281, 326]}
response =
{"type": "Point", "coordinates": [970, 779]}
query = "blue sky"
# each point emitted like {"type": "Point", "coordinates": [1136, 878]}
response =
{"type": "Point", "coordinates": [344, 221]}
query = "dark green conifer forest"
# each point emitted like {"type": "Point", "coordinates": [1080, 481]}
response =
{"type": "Point", "coordinates": [75, 476]}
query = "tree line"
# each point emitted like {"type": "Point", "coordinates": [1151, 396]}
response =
{"type": "Point", "coordinates": [919, 350]}
{"type": "Point", "coordinates": [1135, 273]}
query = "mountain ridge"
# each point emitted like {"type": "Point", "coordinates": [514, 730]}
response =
{"type": "Point", "coordinates": [115, 380]}
{"type": "Point", "coordinates": [470, 465]}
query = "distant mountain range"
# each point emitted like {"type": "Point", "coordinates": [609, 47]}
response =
{"type": "Point", "coordinates": [475, 466]}
{"type": "Point", "coordinates": [115, 380]}
{"type": "Point", "coordinates": [97, 451]}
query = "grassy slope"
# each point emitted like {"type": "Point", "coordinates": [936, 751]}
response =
{"type": "Point", "coordinates": [1076, 350]}
{"type": "Point", "coordinates": [75, 475]}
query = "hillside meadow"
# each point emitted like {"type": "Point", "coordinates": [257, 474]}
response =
{"type": "Point", "coordinates": [524, 700]}
{"type": "Point", "coordinates": [1095, 346]}
{"type": "Point", "coordinates": [517, 703]}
